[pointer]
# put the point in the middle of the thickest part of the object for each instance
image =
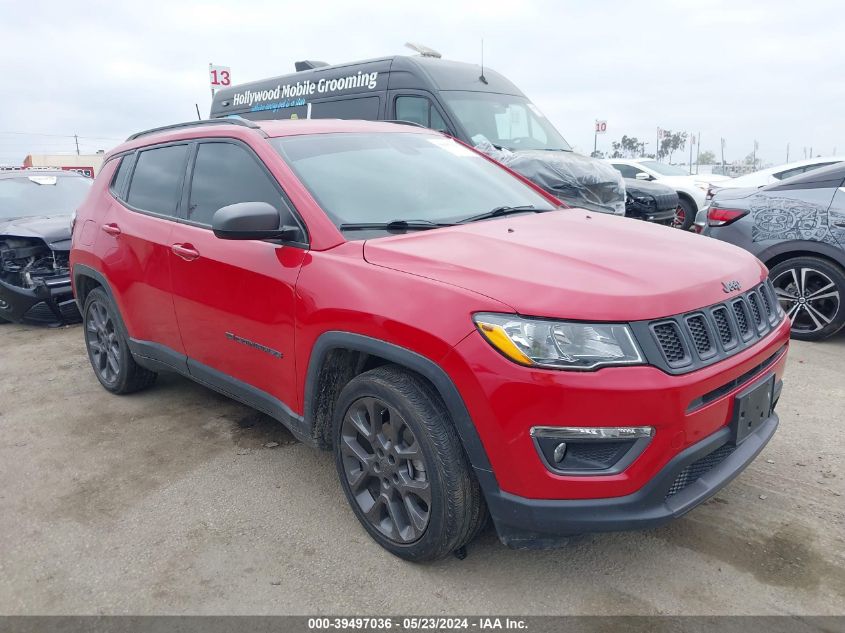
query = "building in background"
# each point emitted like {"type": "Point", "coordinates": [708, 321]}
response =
{"type": "Point", "coordinates": [86, 164]}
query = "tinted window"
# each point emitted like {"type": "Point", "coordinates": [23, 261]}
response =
{"type": "Point", "coordinates": [156, 181]}
{"type": "Point", "coordinates": [419, 110]}
{"type": "Point", "coordinates": [365, 108]}
{"type": "Point", "coordinates": [225, 174]}
{"type": "Point", "coordinates": [627, 171]}
{"type": "Point", "coordinates": [401, 176]}
{"type": "Point", "coordinates": [789, 173]}
{"type": "Point", "coordinates": [121, 174]}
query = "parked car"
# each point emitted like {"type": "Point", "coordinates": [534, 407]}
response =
{"type": "Point", "coordinates": [35, 215]}
{"type": "Point", "coordinates": [770, 175]}
{"type": "Point", "coordinates": [369, 285]}
{"type": "Point", "coordinates": [691, 188]}
{"type": "Point", "coordinates": [652, 202]}
{"type": "Point", "coordinates": [476, 105]}
{"type": "Point", "coordinates": [797, 228]}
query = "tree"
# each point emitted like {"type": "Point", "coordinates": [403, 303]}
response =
{"type": "Point", "coordinates": [707, 158]}
{"type": "Point", "coordinates": [671, 142]}
{"type": "Point", "coordinates": [628, 147]}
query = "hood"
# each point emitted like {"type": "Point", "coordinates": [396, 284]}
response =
{"type": "Point", "coordinates": [578, 180]}
{"type": "Point", "coordinates": [572, 264]}
{"type": "Point", "coordinates": [641, 187]}
{"type": "Point", "coordinates": [53, 229]}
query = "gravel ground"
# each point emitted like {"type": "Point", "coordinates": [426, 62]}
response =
{"type": "Point", "coordinates": [171, 501]}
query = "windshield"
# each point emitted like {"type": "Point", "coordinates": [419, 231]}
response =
{"type": "Point", "coordinates": [39, 194]}
{"type": "Point", "coordinates": [505, 120]}
{"type": "Point", "coordinates": [413, 177]}
{"type": "Point", "coordinates": [663, 169]}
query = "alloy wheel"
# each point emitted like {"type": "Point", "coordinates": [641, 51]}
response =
{"type": "Point", "coordinates": [809, 297]}
{"type": "Point", "coordinates": [385, 469]}
{"type": "Point", "coordinates": [101, 337]}
{"type": "Point", "coordinates": [679, 218]}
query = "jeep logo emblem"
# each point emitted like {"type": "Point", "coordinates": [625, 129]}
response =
{"type": "Point", "coordinates": [730, 286]}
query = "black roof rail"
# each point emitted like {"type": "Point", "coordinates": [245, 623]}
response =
{"type": "Point", "coordinates": [402, 122]}
{"type": "Point", "coordinates": [176, 126]}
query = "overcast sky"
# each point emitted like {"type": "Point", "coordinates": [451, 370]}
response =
{"type": "Point", "coordinates": [771, 71]}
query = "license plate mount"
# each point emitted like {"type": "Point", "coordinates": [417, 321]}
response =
{"type": "Point", "coordinates": [752, 407]}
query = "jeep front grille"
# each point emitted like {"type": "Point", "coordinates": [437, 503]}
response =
{"type": "Point", "coordinates": [689, 341]}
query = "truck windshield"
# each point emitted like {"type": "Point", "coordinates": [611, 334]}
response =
{"type": "Point", "coordinates": [507, 121]}
{"type": "Point", "coordinates": [41, 194]}
{"type": "Point", "coordinates": [398, 177]}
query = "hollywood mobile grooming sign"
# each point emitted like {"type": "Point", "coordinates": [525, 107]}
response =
{"type": "Point", "coordinates": [296, 94]}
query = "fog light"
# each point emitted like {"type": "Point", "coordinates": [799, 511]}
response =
{"type": "Point", "coordinates": [590, 450]}
{"type": "Point", "coordinates": [560, 452]}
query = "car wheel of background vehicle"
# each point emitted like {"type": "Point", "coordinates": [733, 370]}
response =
{"type": "Point", "coordinates": [810, 291]}
{"type": "Point", "coordinates": [107, 347]}
{"type": "Point", "coordinates": [402, 466]}
{"type": "Point", "coordinates": [684, 215]}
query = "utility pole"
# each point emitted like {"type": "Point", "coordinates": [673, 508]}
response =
{"type": "Point", "coordinates": [787, 152]}
{"type": "Point", "coordinates": [657, 146]}
{"type": "Point", "coordinates": [595, 138]}
{"type": "Point", "coordinates": [691, 143]}
{"type": "Point", "coordinates": [754, 157]}
{"type": "Point", "coordinates": [698, 153]}
{"type": "Point", "coordinates": [723, 156]}
{"type": "Point", "coordinates": [76, 139]}
{"type": "Point", "coordinates": [811, 151]}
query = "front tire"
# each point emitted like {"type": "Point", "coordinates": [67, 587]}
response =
{"type": "Point", "coordinates": [108, 349]}
{"type": "Point", "coordinates": [811, 292]}
{"type": "Point", "coordinates": [684, 214]}
{"type": "Point", "coordinates": [402, 466]}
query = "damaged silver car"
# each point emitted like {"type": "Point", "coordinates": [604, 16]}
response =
{"type": "Point", "coordinates": [35, 217]}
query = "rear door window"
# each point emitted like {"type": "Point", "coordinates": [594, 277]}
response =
{"type": "Point", "coordinates": [157, 180]}
{"type": "Point", "coordinates": [364, 108]}
{"type": "Point", "coordinates": [224, 174]}
{"type": "Point", "coordinates": [627, 171]}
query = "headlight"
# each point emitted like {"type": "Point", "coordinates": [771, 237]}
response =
{"type": "Point", "coordinates": [559, 344]}
{"type": "Point", "coordinates": [646, 201]}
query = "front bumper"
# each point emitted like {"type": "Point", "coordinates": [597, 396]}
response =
{"type": "Point", "coordinates": [650, 214]}
{"type": "Point", "coordinates": [537, 523]}
{"type": "Point", "coordinates": [50, 302]}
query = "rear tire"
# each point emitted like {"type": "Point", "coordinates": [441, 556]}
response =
{"type": "Point", "coordinates": [402, 466]}
{"type": "Point", "coordinates": [811, 291]}
{"type": "Point", "coordinates": [108, 349]}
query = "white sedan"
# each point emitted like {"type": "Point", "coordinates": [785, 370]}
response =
{"type": "Point", "coordinates": [767, 176]}
{"type": "Point", "coordinates": [691, 188]}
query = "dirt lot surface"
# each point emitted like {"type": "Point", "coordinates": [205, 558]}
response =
{"type": "Point", "coordinates": [170, 501]}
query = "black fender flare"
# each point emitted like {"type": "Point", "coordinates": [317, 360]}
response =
{"type": "Point", "coordinates": [81, 270]}
{"type": "Point", "coordinates": [829, 251]}
{"type": "Point", "coordinates": [415, 362]}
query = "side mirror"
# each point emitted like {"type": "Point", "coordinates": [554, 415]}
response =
{"type": "Point", "coordinates": [641, 175]}
{"type": "Point", "coordinates": [252, 221]}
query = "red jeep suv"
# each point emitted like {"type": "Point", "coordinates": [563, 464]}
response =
{"type": "Point", "coordinates": [465, 346]}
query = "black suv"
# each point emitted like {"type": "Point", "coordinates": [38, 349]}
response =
{"type": "Point", "coordinates": [36, 207]}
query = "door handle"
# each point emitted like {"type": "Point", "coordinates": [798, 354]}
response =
{"type": "Point", "coordinates": [185, 251]}
{"type": "Point", "coordinates": [111, 229]}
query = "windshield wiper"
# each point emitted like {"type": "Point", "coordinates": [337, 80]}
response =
{"type": "Point", "coordinates": [394, 225]}
{"type": "Point", "coordinates": [504, 210]}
